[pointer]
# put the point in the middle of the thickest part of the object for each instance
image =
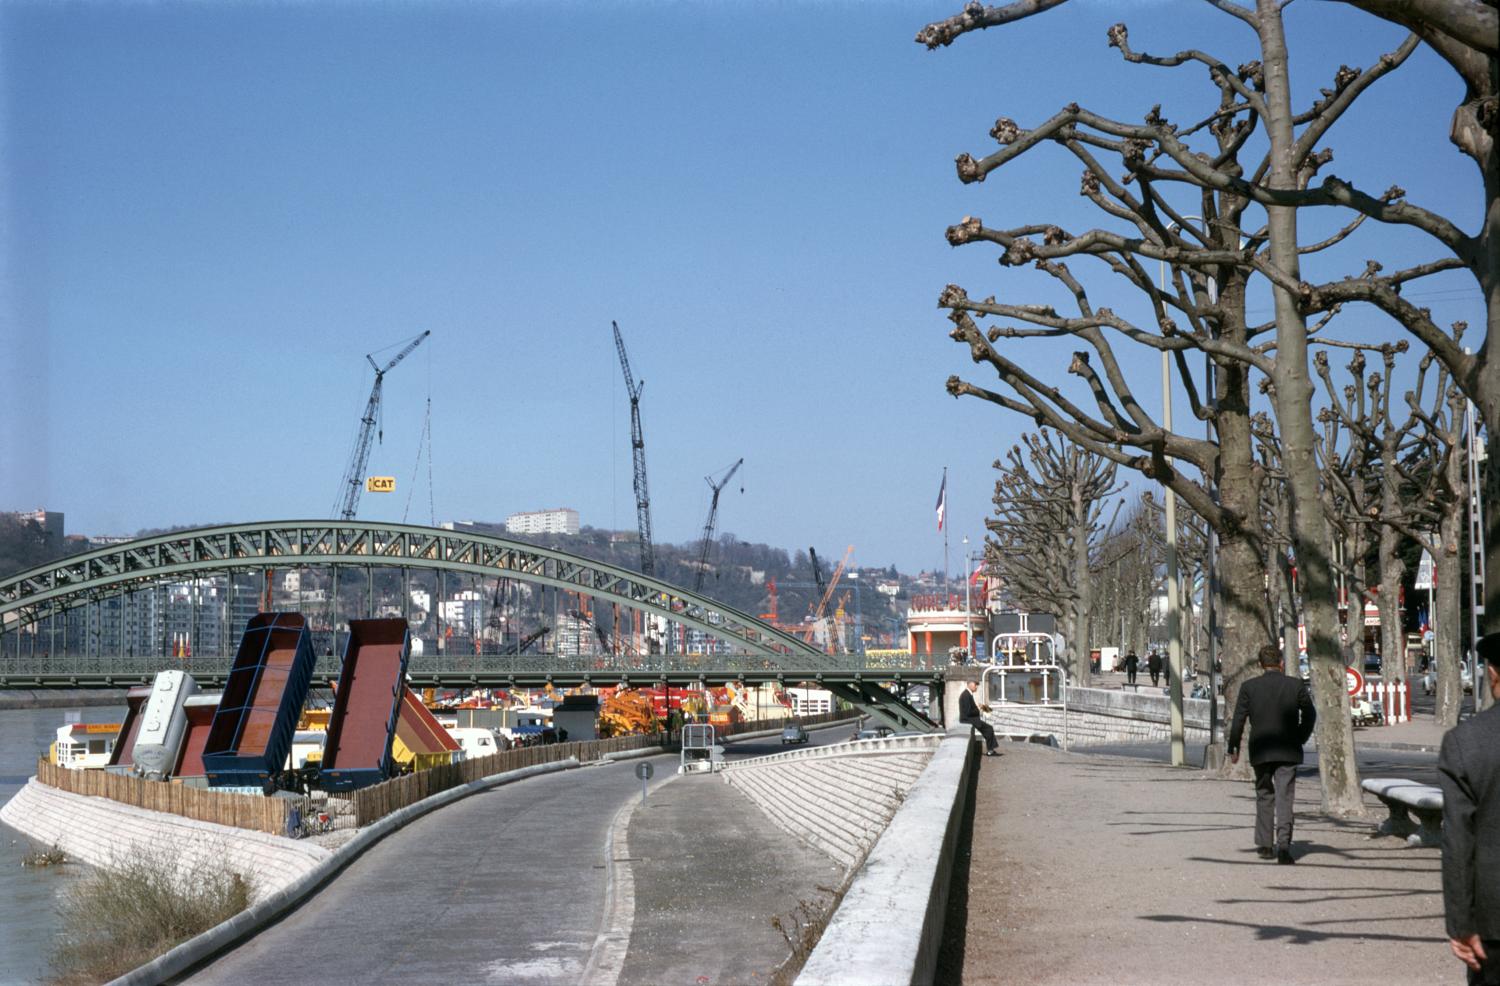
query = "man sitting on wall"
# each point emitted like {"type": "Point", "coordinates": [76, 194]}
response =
{"type": "Point", "coordinates": [968, 714]}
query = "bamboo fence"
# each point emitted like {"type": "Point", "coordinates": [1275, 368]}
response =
{"type": "Point", "coordinates": [246, 811]}
{"type": "Point", "coordinates": [375, 802]}
{"type": "Point", "coordinates": [262, 814]}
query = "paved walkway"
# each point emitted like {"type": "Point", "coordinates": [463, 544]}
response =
{"type": "Point", "coordinates": [1105, 869]}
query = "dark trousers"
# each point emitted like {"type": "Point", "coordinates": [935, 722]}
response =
{"type": "Point", "coordinates": [1489, 969]}
{"type": "Point", "coordinates": [1275, 789]}
{"type": "Point", "coordinates": [1129, 675]}
{"type": "Point", "coordinates": [1155, 676]}
{"type": "Point", "coordinates": [985, 730]}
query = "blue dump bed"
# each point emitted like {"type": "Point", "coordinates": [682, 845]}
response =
{"type": "Point", "coordinates": [251, 734]}
{"type": "Point", "coordinates": [372, 682]}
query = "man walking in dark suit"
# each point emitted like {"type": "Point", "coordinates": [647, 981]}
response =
{"type": "Point", "coordinates": [968, 714]}
{"type": "Point", "coordinates": [1281, 716]}
{"type": "Point", "coordinates": [1469, 772]}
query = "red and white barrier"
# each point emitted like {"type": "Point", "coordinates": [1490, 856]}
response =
{"type": "Point", "coordinates": [1393, 698]}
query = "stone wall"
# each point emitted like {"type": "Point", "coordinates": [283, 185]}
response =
{"type": "Point", "coordinates": [1098, 716]}
{"type": "Point", "coordinates": [103, 833]}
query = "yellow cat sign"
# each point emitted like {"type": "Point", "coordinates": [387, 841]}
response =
{"type": "Point", "coordinates": [380, 484]}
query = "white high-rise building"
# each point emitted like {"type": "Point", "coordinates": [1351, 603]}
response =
{"type": "Point", "coordinates": [559, 520]}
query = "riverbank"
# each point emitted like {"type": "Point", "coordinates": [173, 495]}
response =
{"type": "Point", "coordinates": [60, 698]}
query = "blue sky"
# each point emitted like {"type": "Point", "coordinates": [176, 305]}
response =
{"type": "Point", "coordinates": [212, 212]}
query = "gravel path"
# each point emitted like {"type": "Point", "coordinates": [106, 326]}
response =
{"type": "Point", "coordinates": [1103, 869]}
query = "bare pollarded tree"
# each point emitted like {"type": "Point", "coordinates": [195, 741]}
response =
{"type": "Point", "coordinates": [1128, 571]}
{"type": "Point", "coordinates": [1048, 501]}
{"type": "Point", "coordinates": [1417, 462]}
{"type": "Point", "coordinates": [1376, 439]}
{"type": "Point", "coordinates": [1249, 231]}
{"type": "Point", "coordinates": [1466, 34]}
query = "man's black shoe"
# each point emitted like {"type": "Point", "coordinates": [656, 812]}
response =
{"type": "Point", "coordinates": [993, 753]}
{"type": "Point", "coordinates": [1265, 852]}
{"type": "Point", "coordinates": [1284, 856]}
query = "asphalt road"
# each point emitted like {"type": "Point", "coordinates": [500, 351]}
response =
{"type": "Point", "coordinates": [507, 886]}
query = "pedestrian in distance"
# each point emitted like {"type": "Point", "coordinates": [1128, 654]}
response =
{"type": "Point", "coordinates": [1132, 664]}
{"type": "Point", "coordinates": [1153, 666]}
{"type": "Point", "coordinates": [969, 709]}
{"type": "Point", "coordinates": [1281, 716]}
{"type": "Point", "coordinates": [1469, 773]}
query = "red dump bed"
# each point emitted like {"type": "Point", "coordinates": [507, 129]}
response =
{"type": "Point", "coordinates": [200, 711]}
{"type": "Point", "coordinates": [371, 684]}
{"type": "Point", "coordinates": [420, 730]}
{"type": "Point", "coordinates": [135, 701]}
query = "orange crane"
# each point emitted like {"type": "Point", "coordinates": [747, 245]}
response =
{"type": "Point", "coordinates": [771, 590]}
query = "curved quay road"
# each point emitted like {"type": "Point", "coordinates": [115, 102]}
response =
{"type": "Point", "coordinates": [508, 886]}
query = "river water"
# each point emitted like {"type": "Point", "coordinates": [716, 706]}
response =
{"type": "Point", "coordinates": [30, 896]}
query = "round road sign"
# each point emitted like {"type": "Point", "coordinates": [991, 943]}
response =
{"type": "Point", "coordinates": [1353, 680]}
{"type": "Point", "coordinates": [644, 770]}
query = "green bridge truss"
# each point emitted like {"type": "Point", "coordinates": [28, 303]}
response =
{"type": "Point", "coordinates": [758, 650]}
{"type": "Point", "coordinates": [79, 579]}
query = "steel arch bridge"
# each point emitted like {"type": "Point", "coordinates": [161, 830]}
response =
{"type": "Point", "coordinates": [123, 571]}
{"type": "Point", "coordinates": [33, 595]}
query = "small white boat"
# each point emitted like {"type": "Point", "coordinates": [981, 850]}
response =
{"type": "Point", "coordinates": [84, 745]}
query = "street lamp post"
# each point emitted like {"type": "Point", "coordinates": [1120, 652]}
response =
{"type": "Point", "coordinates": [1174, 618]}
{"type": "Point", "coordinates": [968, 604]}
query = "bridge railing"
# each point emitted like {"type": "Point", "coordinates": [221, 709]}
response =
{"type": "Point", "coordinates": [125, 669]}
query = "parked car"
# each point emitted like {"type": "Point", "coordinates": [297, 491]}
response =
{"type": "Point", "coordinates": [875, 732]}
{"type": "Point", "coordinates": [1429, 680]}
{"type": "Point", "coordinates": [793, 733]}
{"type": "Point", "coordinates": [1372, 664]}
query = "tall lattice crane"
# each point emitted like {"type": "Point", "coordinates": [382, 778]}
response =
{"type": "Point", "coordinates": [708, 526]}
{"type": "Point", "coordinates": [638, 449]}
{"type": "Point", "coordinates": [347, 504]}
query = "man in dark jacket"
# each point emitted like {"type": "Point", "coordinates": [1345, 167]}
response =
{"type": "Point", "coordinates": [1469, 772]}
{"type": "Point", "coordinates": [1281, 716]}
{"type": "Point", "coordinates": [968, 714]}
{"type": "Point", "coordinates": [1132, 664]}
{"type": "Point", "coordinates": [1153, 665]}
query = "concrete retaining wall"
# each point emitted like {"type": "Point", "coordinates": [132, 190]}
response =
{"type": "Point", "coordinates": [1147, 703]}
{"type": "Point", "coordinates": [836, 800]}
{"type": "Point", "coordinates": [103, 833]}
{"type": "Point", "coordinates": [1085, 728]}
{"type": "Point", "coordinates": [890, 924]}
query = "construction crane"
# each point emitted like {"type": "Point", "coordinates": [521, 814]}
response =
{"type": "Point", "coordinates": [708, 525]}
{"type": "Point", "coordinates": [354, 475]}
{"type": "Point", "coordinates": [812, 553]}
{"type": "Point", "coordinates": [638, 451]}
{"type": "Point", "coordinates": [833, 583]}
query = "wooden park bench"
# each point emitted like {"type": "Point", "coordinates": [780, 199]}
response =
{"type": "Point", "coordinates": [1403, 797]}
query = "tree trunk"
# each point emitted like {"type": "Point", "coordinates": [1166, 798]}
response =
{"type": "Point", "coordinates": [1448, 629]}
{"type": "Point", "coordinates": [1244, 619]}
{"type": "Point", "coordinates": [1487, 398]}
{"type": "Point", "coordinates": [1337, 769]}
{"type": "Point", "coordinates": [1392, 636]}
{"type": "Point", "coordinates": [1078, 645]}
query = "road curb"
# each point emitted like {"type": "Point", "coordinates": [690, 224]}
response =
{"type": "Point", "coordinates": [252, 919]}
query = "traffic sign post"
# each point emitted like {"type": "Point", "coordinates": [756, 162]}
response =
{"type": "Point", "coordinates": [1353, 680]}
{"type": "Point", "coordinates": [644, 770]}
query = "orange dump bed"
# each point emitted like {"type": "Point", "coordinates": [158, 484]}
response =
{"type": "Point", "coordinates": [419, 728]}
{"type": "Point", "coordinates": [135, 702]}
{"type": "Point", "coordinates": [371, 684]}
{"type": "Point", "coordinates": [252, 731]}
{"type": "Point", "coordinates": [200, 718]}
